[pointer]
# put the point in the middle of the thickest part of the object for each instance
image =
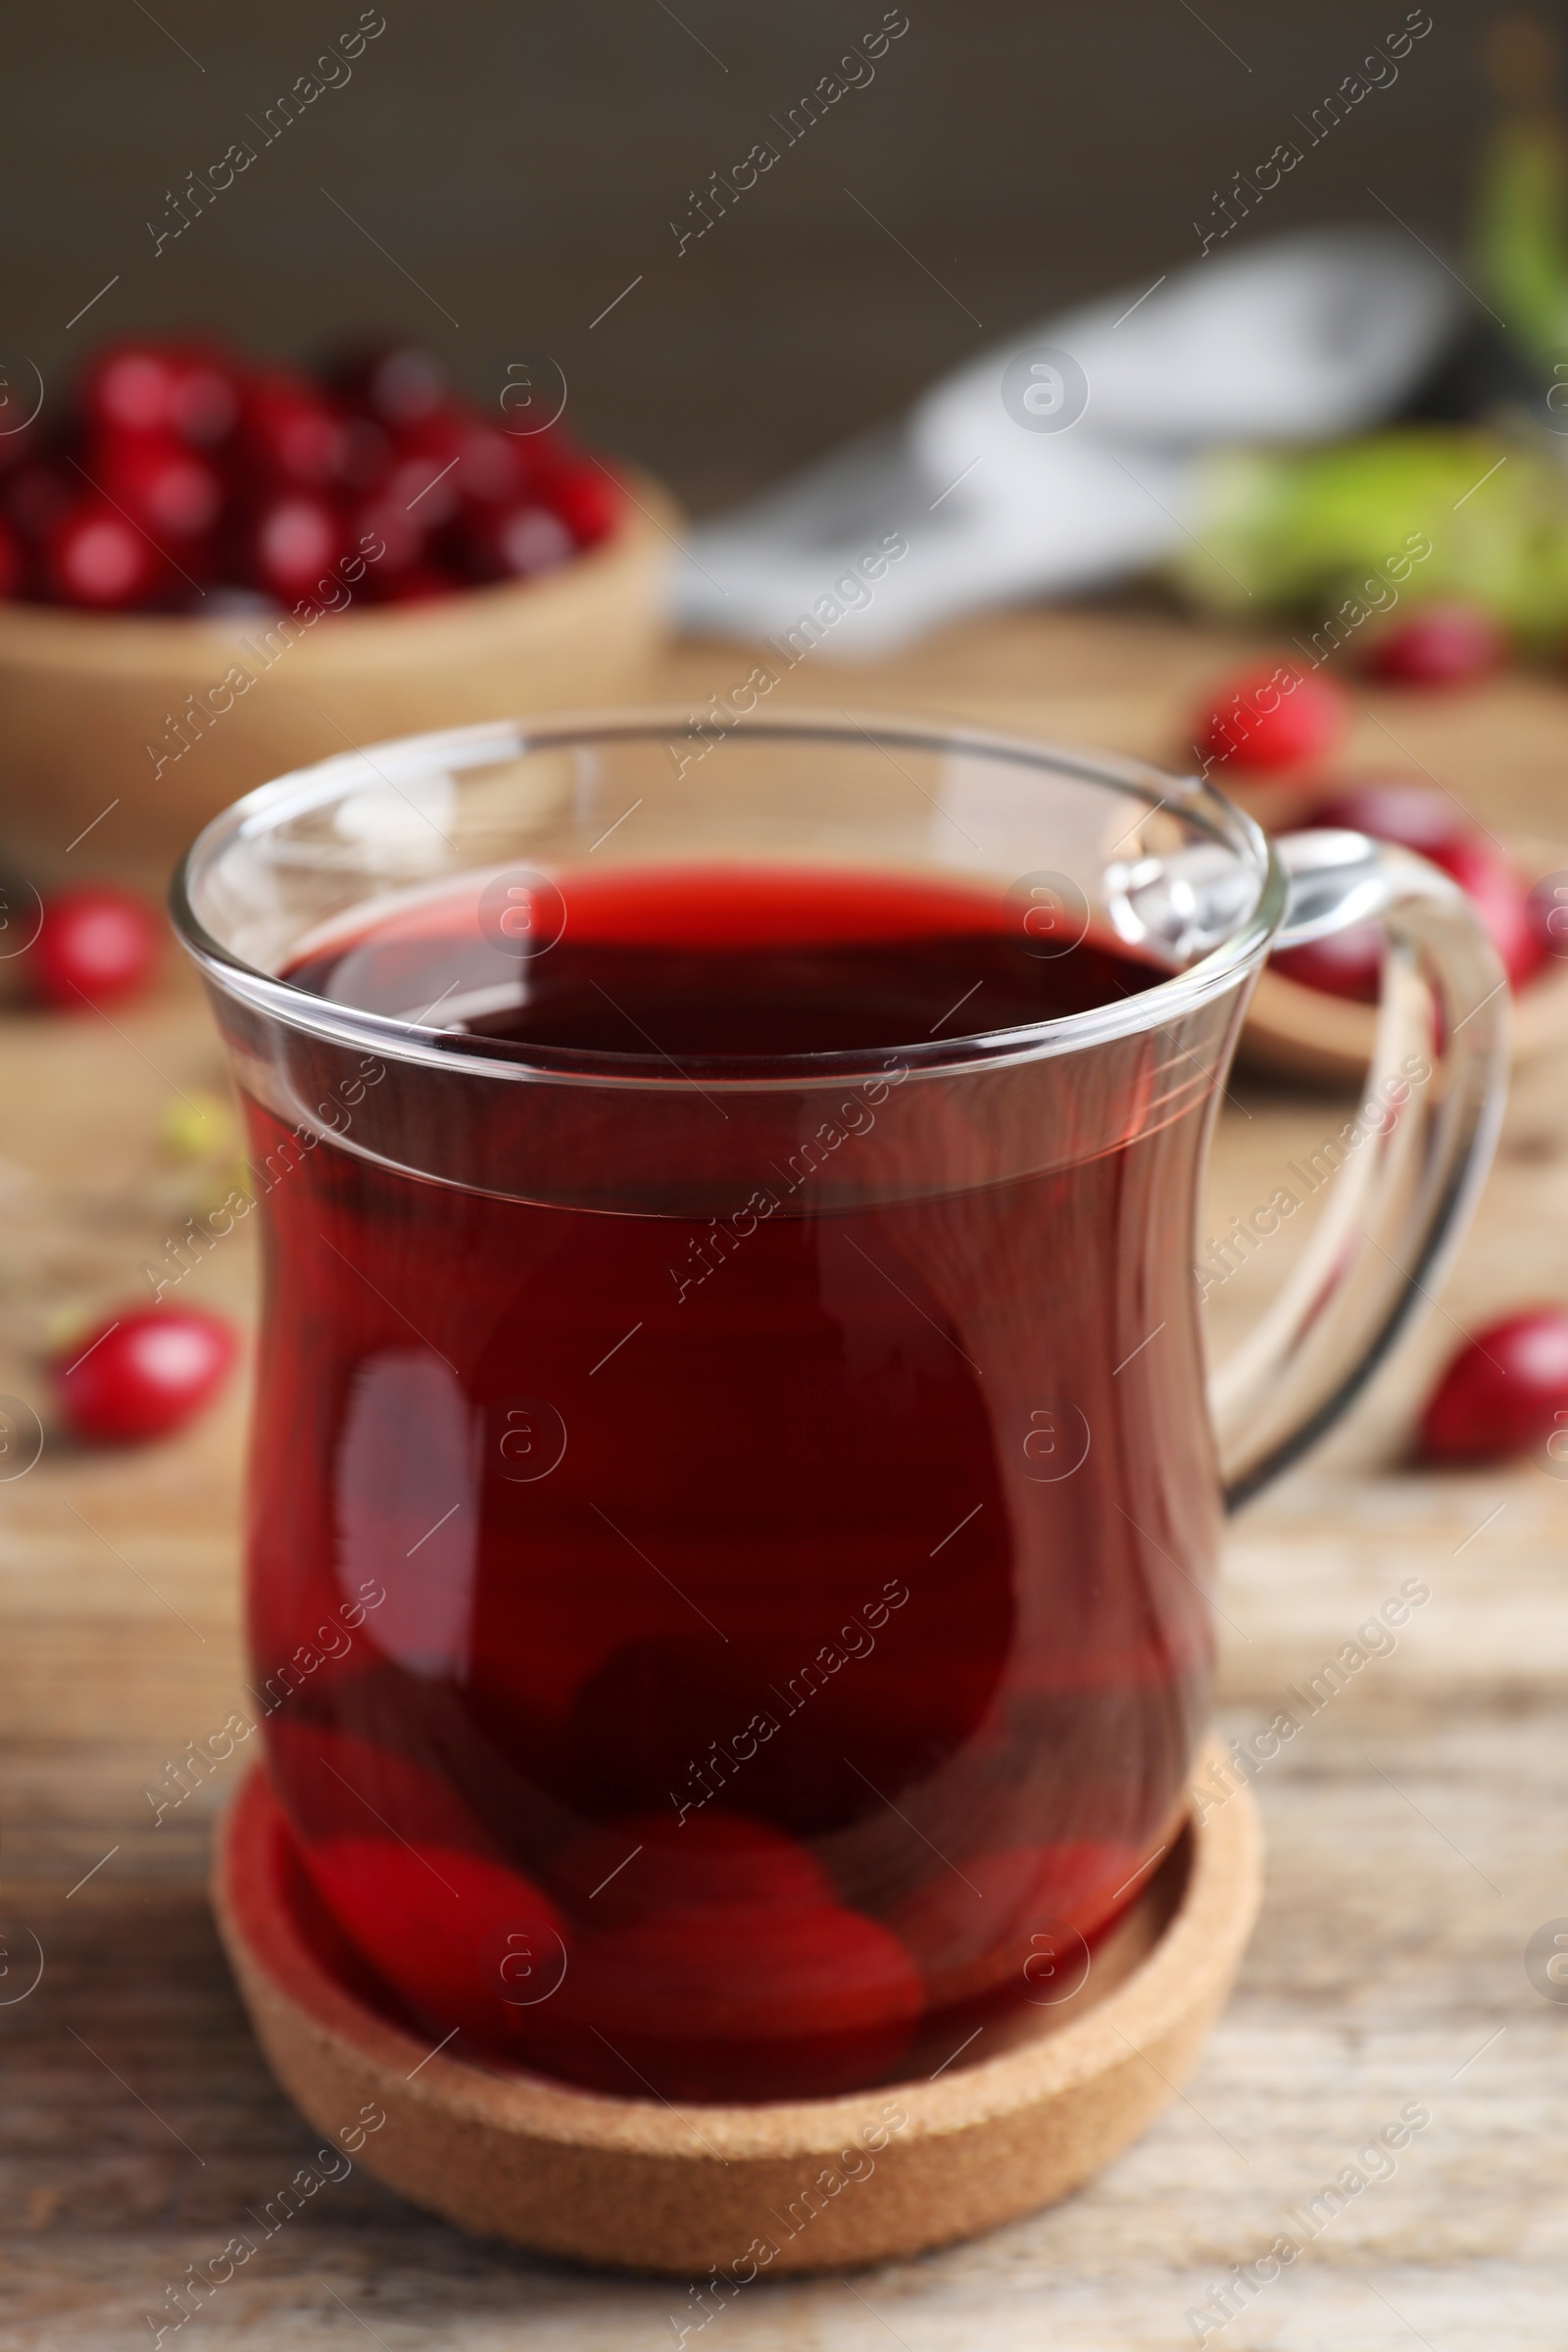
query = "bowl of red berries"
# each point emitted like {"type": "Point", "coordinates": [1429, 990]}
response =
{"type": "Point", "coordinates": [216, 568]}
{"type": "Point", "coordinates": [1272, 740]}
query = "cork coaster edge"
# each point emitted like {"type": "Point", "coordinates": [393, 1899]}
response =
{"type": "Point", "coordinates": [639, 2186]}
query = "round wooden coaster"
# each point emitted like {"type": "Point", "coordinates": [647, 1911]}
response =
{"type": "Point", "coordinates": [750, 2191]}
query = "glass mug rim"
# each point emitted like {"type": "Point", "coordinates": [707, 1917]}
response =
{"type": "Point", "coordinates": [308, 790]}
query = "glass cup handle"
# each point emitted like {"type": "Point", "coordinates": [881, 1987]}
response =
{"type": "Point", "coordinates": [1409, 1165]}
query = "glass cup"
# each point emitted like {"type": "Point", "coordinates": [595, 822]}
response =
{"type": "Point", "coordinates": [731, 1513]}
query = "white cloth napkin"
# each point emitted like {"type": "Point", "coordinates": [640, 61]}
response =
{"type": "Point", "coordinates": [1072, 454]}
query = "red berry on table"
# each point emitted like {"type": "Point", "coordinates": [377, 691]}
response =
{"type": "Point", "coordinates": [1503, 1392]}
{"type": "Point", "coordinates": [129, 387]}
{"type": "Point", "coordinates": [170, 491]}
{"type": "Point", "coordinates": [290, 544]}
{"type": "Point", "coordinates": [1273, 719]}
{"type": "Point", "coordinates": [95, 943]}
{"type": "Point", "coordinates": [1443, 645]}
{"type": "Point", "coordinates": [515, 543]}
{"type": "Point", "coordinates": [184, 389]}
{"type": "Point", "coordinates": [586, 499]}
{"type": "Point", "coordinates": [95, 557]}
{"type": "Point", "coordinates": [290, 433]}
{"type": "Point", "coordinates": [143, 1373]}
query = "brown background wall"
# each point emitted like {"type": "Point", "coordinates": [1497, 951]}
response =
{"type": "Point", "coordinates": [523, 162]}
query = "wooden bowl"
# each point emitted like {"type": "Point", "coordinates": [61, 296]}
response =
{"type": "Point", "coordinates": [823, 2184]}
{"type": "Point", "coordinates": [104, 740]}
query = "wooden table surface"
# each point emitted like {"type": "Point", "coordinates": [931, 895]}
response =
{"type": "Point", "coordinates": [1417, 1828]}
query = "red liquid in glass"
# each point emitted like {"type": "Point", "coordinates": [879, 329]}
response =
{"type": "Point", "coordinates": [660, 1602]}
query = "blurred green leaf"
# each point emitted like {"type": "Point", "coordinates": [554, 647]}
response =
{"type": "Point", "coordinates": [1308, 532]}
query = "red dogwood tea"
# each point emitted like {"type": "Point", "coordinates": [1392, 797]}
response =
{"type": "Point", "coordinates": [764, 1654]}
{"type": "Point", "coordinates": [729, 1196]}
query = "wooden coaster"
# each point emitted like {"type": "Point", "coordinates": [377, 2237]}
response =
{"type": "Point", "coordinates": [801, 2185]}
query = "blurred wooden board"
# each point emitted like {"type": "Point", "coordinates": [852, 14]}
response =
{"type": "Point", "coordinates": [1417, 1828]}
